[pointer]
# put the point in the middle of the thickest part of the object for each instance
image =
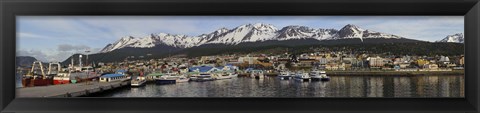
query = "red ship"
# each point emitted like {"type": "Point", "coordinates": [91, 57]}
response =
{"type": "Point", "coordinates": [35, 78]}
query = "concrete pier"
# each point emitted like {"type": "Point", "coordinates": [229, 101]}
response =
{"type": "Point", "coordinates": [69, 90]}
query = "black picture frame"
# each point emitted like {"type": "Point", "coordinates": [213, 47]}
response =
{"type": "Point", "coordinates": [9, 9]}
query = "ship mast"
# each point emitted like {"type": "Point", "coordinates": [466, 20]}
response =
{"type": "Point", "coordinates": [80, 60]}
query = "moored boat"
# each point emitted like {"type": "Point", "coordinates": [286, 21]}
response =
{"type": "Point", "coordinates": [153, 76]}
{"type": "Point", "coordinates": [182, 79]}
{"type": "Point", "coordinates": [166, 79]}
{"type": "Point", "coordinates": [284, 75]}
{"type": "Point", "coordinates": [315, 75]}
{"type": "Point", "coordinates": [204, 77]}
{"type": "Point", "coordinates": [323, 76]}
{"type": "Point", "coordinates": [193, 75]}
{"type": "Point", "coordinates": [301, 76]}
{"type": "Point", "coordinates": [36, 76]}
{"type": "Point", "coordinates": [138, 81]}
{"type": "Point", "coordinates": [223, 75]}
{"type": "Point", "coordinates": [172, 78]}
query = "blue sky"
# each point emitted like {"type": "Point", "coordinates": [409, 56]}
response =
{"type": "Point", "coordinates": [54, 38]}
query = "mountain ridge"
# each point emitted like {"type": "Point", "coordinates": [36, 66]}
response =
{"type": "Point", "coordinates": [245, 33]}
{"type": "Point", "coordinates": [455, 38]}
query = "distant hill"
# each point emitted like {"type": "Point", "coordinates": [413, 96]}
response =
{"type": "Point", "coordinates": [392, 46]}
{"type": "Point", "coordinates": [24, 61]}
{"type": "Point", "coordinates": [264, 37]}
{"type": "Point", "coordinates": [247, 33]}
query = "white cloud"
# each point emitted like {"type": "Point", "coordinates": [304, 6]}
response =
{"type": "Point", "coordinates": [61, 53]}
{"type": "Point", "coordinates": [68, 47]}
{"type": "Point", "coordinates": [31, 35]}
{"type": "Point", "coordinates": [431, 28]}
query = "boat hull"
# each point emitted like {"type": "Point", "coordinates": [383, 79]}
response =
{"type": "Point", "coordinates": [165, 81]}
{"type": "Point", "coordinates": [138, 84]}
{"type": "Point", "coordinates": [325, 79]}
{"type": "Point", "coordinates": [28, 82]}
{"type": "Point", "coordinates": [204, 79]}
{"type": "Point", "coordinates": [184, 80]}
{"type": "Point", "coordinates": [57, 82]}
{"type": "Point", "coordinates": [42, 82]}
{"type": "Point", "coordinates": [303, 79]}
{"type": "Point", "coordinates": [284, 77]}
{"type": "Point", "coordinates": [315, 78]}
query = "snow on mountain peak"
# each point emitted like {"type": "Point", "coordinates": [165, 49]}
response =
{"type": "Point", "coordinates": [353, 31]}
{"type": "Point", "coordinates": [265, 27]}
{"type": "Point", "coordinates": [455, 38]}
{"type": "Point", "coordinates": [245, 33]}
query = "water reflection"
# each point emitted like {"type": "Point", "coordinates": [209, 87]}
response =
{"type": "Point", "coordinates": [338, 86]}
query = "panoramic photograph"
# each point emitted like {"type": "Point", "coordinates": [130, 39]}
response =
{"type": "Point", "coordinates": [240, 56]}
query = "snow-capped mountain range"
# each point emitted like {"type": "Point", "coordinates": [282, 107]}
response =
{"type": "Point", "coordinates": [246, 33]}
{"type": "Point", "coordinates": [456, 38]}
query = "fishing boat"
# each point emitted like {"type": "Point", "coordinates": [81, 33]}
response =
{"type": "Point", "coordinates": [138, 81]}
{"type": "Point", "coordinates": [71, 76]}
{"type": "Point", "coordinates": [54, 68]}
{"type": "Point", "coordinates": [284, 75]}
{"type": "Point", "coordinates": [74, 74]}
{"type": "Point", "coordinates": [119, 75]}
{"type": "Point", "coordinates": [301, 76]}
{"type": "Point", "coordinates": [36, 76]}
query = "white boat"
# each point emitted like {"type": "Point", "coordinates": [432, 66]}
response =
{"type": "Point", "coordinates": [138, 81]}
{"type": "Point", "coordinates": [182, 79]}
{"type": "Point", "coordinates": [316, 75]}
{"type": "Point", "coordinates": [204, 77]}
{"type": "Point", "coordinates": [284, 75]}
{"type": "Point", "coordinates": [234, 75]}
{"type": "Point", "coordinates": [302, 76]}
{"type": "Point", "coordinates": [171, 78]}
{"type": "Point", "coordinates": [223, 75]}
{"type": "Point", "coordinates": [193, 76]}
{"type": "Point", "coordinates": [323, 76]}
{"type": "Point", "coordinates": [166, 79]}
{"type": "Point", "coordinates": [292, 74]}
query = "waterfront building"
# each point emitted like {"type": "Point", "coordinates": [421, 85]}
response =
{"type": "Point", "coordinates": [323, 61]}
{"type": "Point", "coordinates": [451, 65]}
{"type": "Point", "coordinates": [306, 62]}
{"type": "Point", "coordinates": [444, 60]}
{"type": "Point", "coordinates": [422, 62]}
{"type": "Point", "coordinates": [431, 66]}
{"type": "Point", "coordinates": [376, 62]}
{"type": "Point", "coordinates": [404, 65]}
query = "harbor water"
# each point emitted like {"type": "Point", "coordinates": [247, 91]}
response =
{"type": "Point", "coordinates": [424, 86]}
